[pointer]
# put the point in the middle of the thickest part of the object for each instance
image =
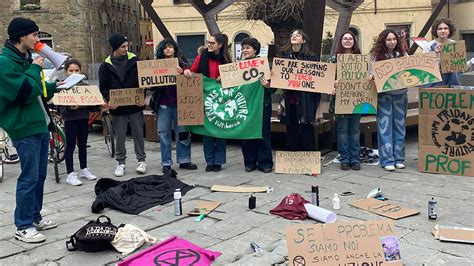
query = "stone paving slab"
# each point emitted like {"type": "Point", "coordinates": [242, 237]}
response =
{"type": "Point", "coordinates": [232, 226]}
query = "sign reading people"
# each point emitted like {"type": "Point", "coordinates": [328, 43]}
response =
{"type": "Point", "coordinates": [446, 131]}
{"type": "Point", "coordinates": [190, 100]}
{"type": "Point", "coordinates": [125, 97]}
{"type": "Point", "coordinates": [243, 72]}
{"type": "Point", "coordinates": [302, 75]}
{"type": "Point", "coordinates": [232, 113]}
{"type": "Point", "coordinates": [344, 243]}
{"type": "Point", "coordinates": [159, 72]}
{"type": "Point", "coordinates": [298, 162]}
{"type": "Point", "coordinates": [355, 94]}
{"type": "Point", "coordinates": [80, 96]}
{"type": "Point", "coordinates": [453, 57]}
{"type": "Point", "coordinates": [406, 72]}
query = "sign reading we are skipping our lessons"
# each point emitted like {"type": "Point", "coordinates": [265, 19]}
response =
{"type": "Point", "coordinates": [453, 57]}
{"type": "Point", "coordinates": [406, 72]}
{"type": "Point", "coordinates": [80, 96]}
{"type": "Point", "coordinates": [158, 72]}
{"type": "Point", "coordinates": [446, 131]}
{"type": "Point", "coordinates": [344, 243]}
{"type": "Point", "coordinates": [309, 76]}
{"type": "Point", "coordinates": [243, 72]}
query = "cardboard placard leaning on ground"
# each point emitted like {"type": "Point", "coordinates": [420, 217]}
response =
{"type": "Point", "coordinates": [446, 131]}
{"type": "Point", "coordinates": [298, 162]}
{"type": "Point", "coordinates": [158, 72]}
{"type": "Point", "coordinates": [300, 75]}
{"type": "Point", "coordinates": [243, 72]}
{"type": "Point", "coordinates": [80, 96]}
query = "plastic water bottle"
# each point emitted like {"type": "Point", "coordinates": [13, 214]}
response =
{"type": "Point", "coordinates": [432, 210]}
{"type": "Point", "coordinates": [336, 202]}
{"type": "Point", "coordinates": [178, 208]}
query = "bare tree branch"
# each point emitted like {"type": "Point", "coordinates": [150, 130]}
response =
{"type": "Point", "coordinates": [345, 9]}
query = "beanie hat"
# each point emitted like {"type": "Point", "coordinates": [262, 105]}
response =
{"type": "Point", "coordinates": [117, 40]}
{"type": "Point", "coordinates": [21, 27]}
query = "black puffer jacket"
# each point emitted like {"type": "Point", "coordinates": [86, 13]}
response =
{"type": "Point", "coordinates": [109, 79]}
{"type": "Point", "coordinates": [307, 102]}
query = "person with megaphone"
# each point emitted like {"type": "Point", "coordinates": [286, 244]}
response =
{"type": "Point", "coordinates": [119, 71]}
{"type": "Point", "coordinates": [23, 97]}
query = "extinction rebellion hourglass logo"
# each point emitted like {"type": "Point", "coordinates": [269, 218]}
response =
{"type": "Point", "coordinates": [452, 131]}
{"type": "Point", "coordinates": [226, 108]}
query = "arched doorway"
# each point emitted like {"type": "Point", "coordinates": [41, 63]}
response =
{"type": "Point", "coordinates": [238, 45]}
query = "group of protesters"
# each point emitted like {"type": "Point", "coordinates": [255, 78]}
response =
{"type": "Point", "coordinates": [23, 97]}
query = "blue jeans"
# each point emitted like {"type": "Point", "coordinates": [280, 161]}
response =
{"type": "Point", "coordinates": [214, 150]}
{"type": "Point", "coordinates": [33, 153]}
{"type": "Point", "coordinates": [348, 138]}
{"type": "Point", "coordinates": [391, 116]}
{"type": "Point", "coordinates": [258, 152]}
{"type": "Point", "coordinates": [167, 120]}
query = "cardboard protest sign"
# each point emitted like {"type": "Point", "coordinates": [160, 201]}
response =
{"type": "Point", "coordinates": [302, 75]}
{"type": "Point", "coordinates": [453, 57]}
{"type": "Point", "coordinates": [454, 234]}
{"type": "Point", "coordinates": [446, 131]}
{"type": "Point", "coordinates": [356, 97]}
{"type": "Point", "coordinates": [405, 72]}
{"type": "Point", "coordinates": [352, 66]}
{"type": "Point", "coordinates": [204, 207]}
{"type": "Point", "coordinates": [298, 162]}
{"type": "Point", "coordinates": [243, 72]}
{"type": "Point", "coordinates": [190, 100]}
{"type": "Point", "coordinates": [384, 208]}
{"type": "Point", "coordinates": [345, 243]}
{"type": "Point", "coordinates": [80, 96]}
{"type": "Point", "coordinates": [158, 72]}
{"type": "Point", "coordinates": [125, 97]}
{"type": "Point", "coordinates": [239, 189]}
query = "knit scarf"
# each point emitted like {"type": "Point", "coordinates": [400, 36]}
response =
{"type": "Point", "coordinates": [204, 61]}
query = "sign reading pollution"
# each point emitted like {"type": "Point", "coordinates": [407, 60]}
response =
{"type": "Point", "coordinates": [406, 71]}
{"type": "Point", "coordinates": [243, 72]}
{"type": "Point", "coordinates": [453, 57]}
{"type": "Point", "coordinates": [355, 243]}
{"type": "Point", "coordinates": [446, 131]}
{"type": "Point", "coordinates": [159, 72]}
{"type": "Point", "coordinates": [309, 76]}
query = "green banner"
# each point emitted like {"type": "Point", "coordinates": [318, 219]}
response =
{"type": "Point", "coordinates": [232, 113]}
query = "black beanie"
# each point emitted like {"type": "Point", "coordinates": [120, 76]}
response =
{"type": "Point", "coordinates": [117, 40]}
{"type": "Point", "coordinates": [19, 27]}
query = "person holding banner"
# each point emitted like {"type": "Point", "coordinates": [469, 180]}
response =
{"type": "Point", "coordinates": [24, 116]}
{"type": "Point", "coordinates": [119, 71]}
{"type": "Point", "coordinates": [166, 110]}
{"type": "Point", "coordinates": [299, 108]}
{"type": "Point", "coordinates": [207, 63]}
{"type": "Point", "coordinates": [76, 128]}
{"type": "Point", "coordinates": [258, 152]}
{"type": "Point", "coordinates": [348, 125]}
{"type": "Point", "coordinates": [391, 107]}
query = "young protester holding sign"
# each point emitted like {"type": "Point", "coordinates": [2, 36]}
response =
{"type": "Point", "coordinates": [391, 107]}
{"type": "Point", "coordinates": [299, 108]}
{"type": "Point", "coordinates": [207, 63]}
{"type": "Point", "coordinates": [119, 71]}
{"type": "Point", "coordinates": [165, 107]}
{"type": "Point", "coordinates": [348, 125]}
{"type": "Point", "coordinates": [258, 152]}
{"type": "Point", "coordinates": [76, 128]}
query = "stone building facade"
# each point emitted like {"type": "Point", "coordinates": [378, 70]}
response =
{"type": "Point", "coordinates": [79, 27]}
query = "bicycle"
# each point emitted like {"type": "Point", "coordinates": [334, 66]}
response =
{"type": "Point", "coordinates": [6, 155]}
{"type": "Point", "coordinates": [107, 130]}
{"type": "Point", "coordinates": [53, 151]}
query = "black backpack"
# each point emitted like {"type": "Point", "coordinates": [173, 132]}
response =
{"type": "Point", "coordinates": [93, 237]}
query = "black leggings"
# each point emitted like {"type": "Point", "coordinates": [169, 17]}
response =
{"type": "Point", "coordinates": [76, 132]}
{"type": "Point", "coordinates": [299, 136]}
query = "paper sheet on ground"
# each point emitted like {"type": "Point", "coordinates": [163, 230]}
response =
{"type": "Point", "coordinates": [72, 80]}
{"type": "Point", "coordinates": [220, 188]}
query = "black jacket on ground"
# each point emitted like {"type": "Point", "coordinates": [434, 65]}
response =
{"type": "Point", "coordinates": [137, 194]}
{"type": "Point", "coordinates": [109, 79]}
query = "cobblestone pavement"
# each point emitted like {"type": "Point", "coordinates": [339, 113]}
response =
{"type": "Point", "coordinates": [232, 229]}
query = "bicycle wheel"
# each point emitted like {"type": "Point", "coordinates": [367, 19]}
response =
{"type": "Point", "coordinates": [1, 169]}
{"type": "Point", "coordinates": [109, 136]}
{"type": "Point", "coordinates": [53, 155]}
{"type": "Point", "coordinates": [59, 139]}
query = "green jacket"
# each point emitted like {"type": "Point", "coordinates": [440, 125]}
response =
{"type": "Point", "coordinates": [20, 85]}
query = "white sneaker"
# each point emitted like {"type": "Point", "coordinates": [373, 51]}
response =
{"type": "Point", "coordinates": [44, 225]}
{"type": "Point", "coordinates": [73, 180]}
{"type": "Point", "coordinates": [400, 166]}
{"type": "Point", "coordinates": [29, 235]}
{"type": "Point", "coordinates": [389, 168]}
{"type": "Point", "coordinates": [141, 167]}
{"type": "Point", "coordinates": [87, 174]}
{"type": "Point", "coordinates": [120, 170]}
